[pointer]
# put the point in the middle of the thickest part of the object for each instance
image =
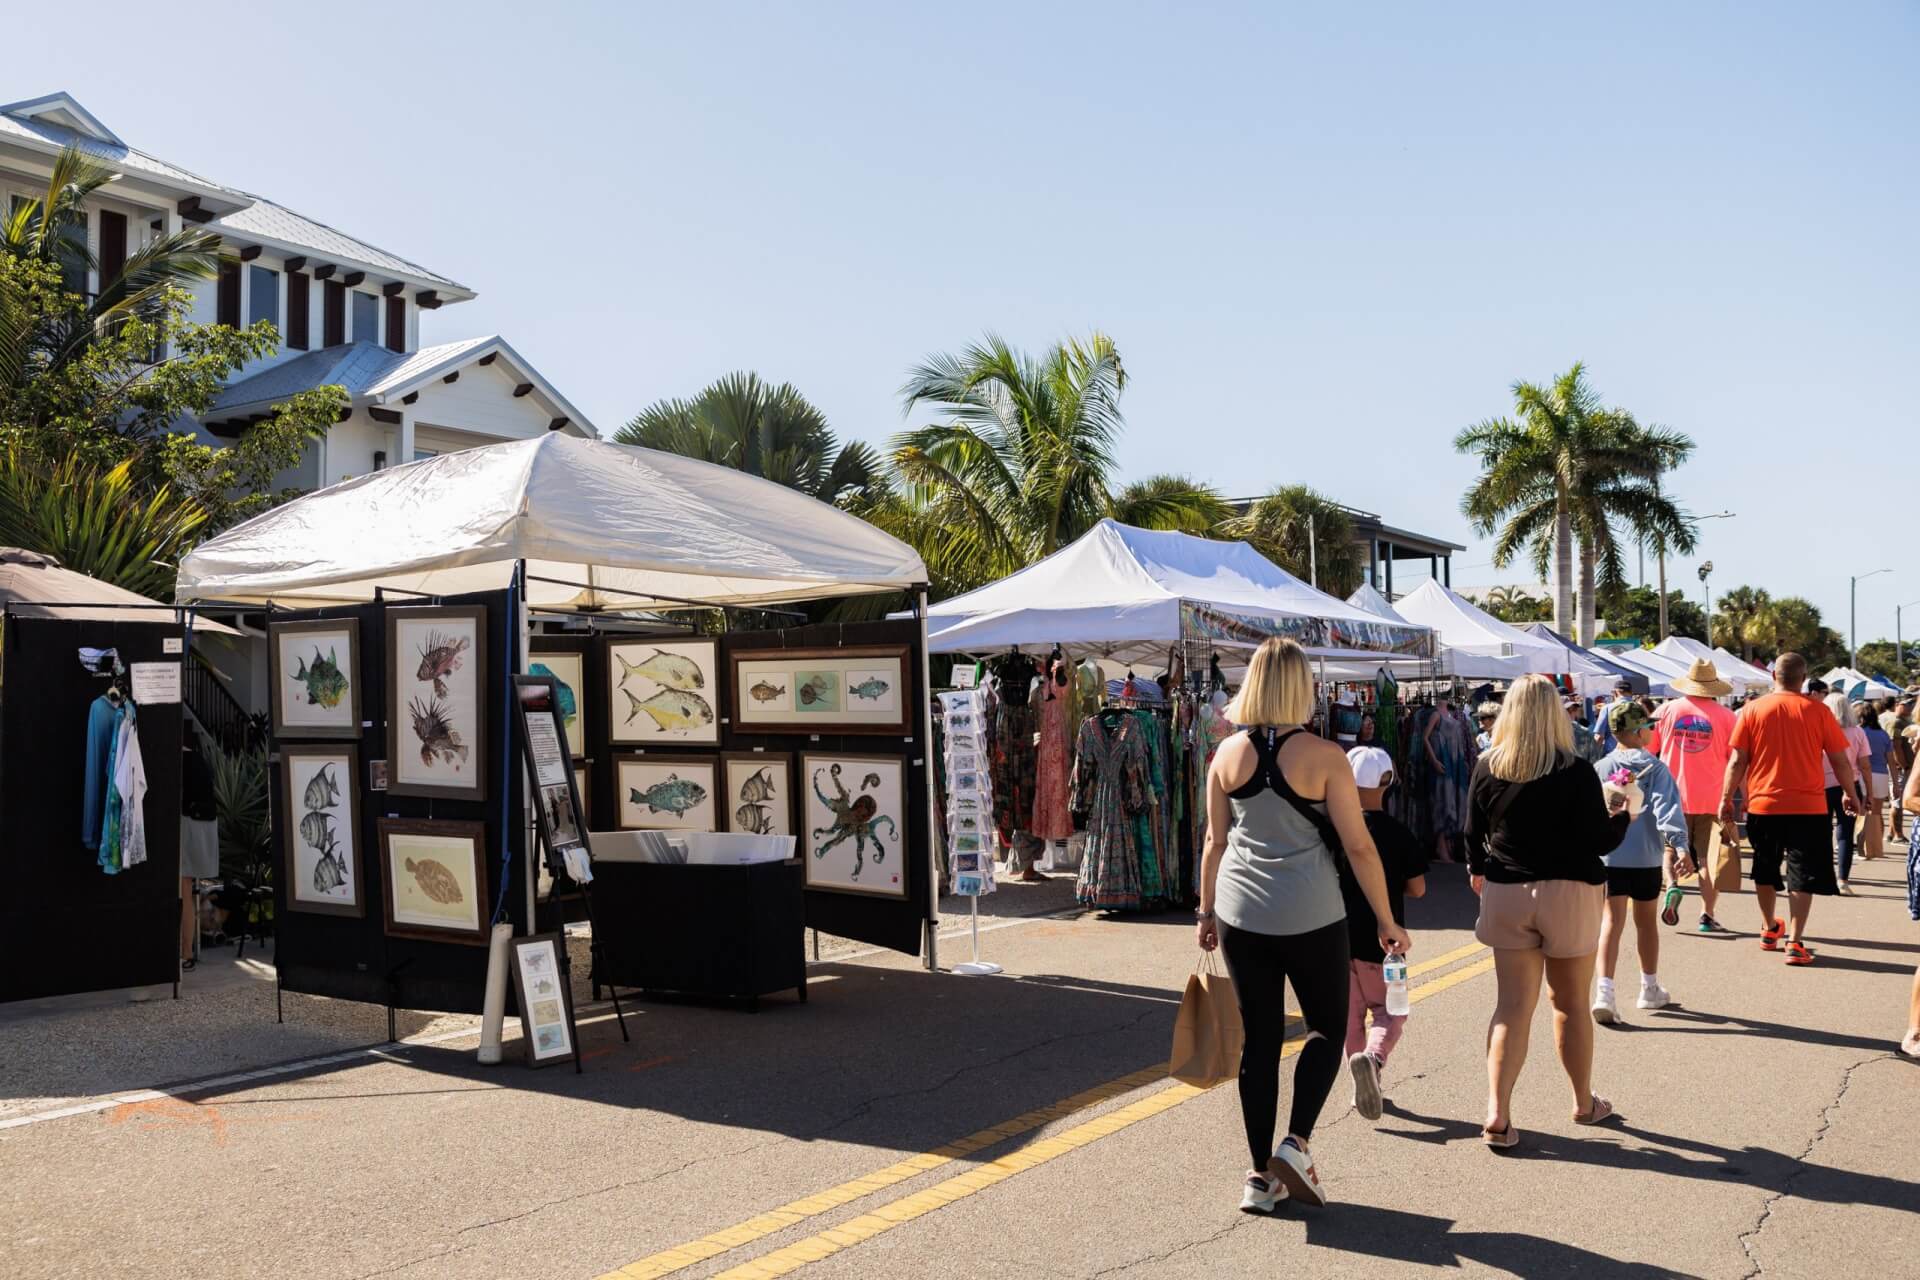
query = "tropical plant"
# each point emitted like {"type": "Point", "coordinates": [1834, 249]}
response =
{"type": "Point", "coordinates": [1562, 467]}
{"type": "Point", "coordinates": [1635, 613]}
{"type": "Point", "coordinates": [1305, 533]}
{"type": "Point", "coordinates": [769, 431]}
{"type": "Point", "coordinates": [1023, 463]}
{"type": "Point", "coordinates": [1739, 624]}
{"type": "Point", "coordinates": [94, 521]}
{"type": "Point", "coordinates": [1516, 605]}
{"type": "Point", "coordinates": [240, 783]}
{"type": "Point", "coordinates": [1880, 658]}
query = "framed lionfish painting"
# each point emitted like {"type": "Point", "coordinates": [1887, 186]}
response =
{"type": "Point", "coordinates": [855, 689]}
{"type": "Point", "coordinates": [436, 713]}
{"type": "Point", "coordinates": [757, 793]}
{"type": "Point", "coordinates": [663, 691]}
{"type": "Point", "coordinates": [666, 793]}
{"type": "Point", "coordinates": [435, 879]}
{"type": "Point", "coordinates": [320, 818]}
{"type": "Point", "coordinates": [853, 839]}
{"type": "Point", "coordinates": [314, 671]}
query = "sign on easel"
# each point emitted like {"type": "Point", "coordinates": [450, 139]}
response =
{"type": "Point", "coordinates": [556, 796]}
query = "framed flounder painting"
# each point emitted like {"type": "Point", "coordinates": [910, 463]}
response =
{"type": "Point", "coordinates": [435, 879]}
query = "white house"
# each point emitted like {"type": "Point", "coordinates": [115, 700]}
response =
{"type": "Point", "coordinates": [349, 314]}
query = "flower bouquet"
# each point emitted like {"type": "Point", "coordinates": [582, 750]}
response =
{"type": "Point", "coordinates": [1621, 783]}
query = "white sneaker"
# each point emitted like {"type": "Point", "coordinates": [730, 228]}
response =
{"type": "Point", "coordinates": [1605, 1011]}
{"type": "Point", "coordinates": [1295, 1168]}
{"type": "Point", "coordinates": [1367, 1098]}
{"type": "Point", "coordinates": [1653, 997]}
{"type": "Point", "coordinates": [1261, 1193]}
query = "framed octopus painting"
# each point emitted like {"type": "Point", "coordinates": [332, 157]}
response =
{"type": "Point", "coordinates": [436, 719]}
{"type": "Point", "coordinates": [854, 833]}
{"type": "Point", "coordinates": [435, 878]}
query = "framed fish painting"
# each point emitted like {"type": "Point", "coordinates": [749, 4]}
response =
{"type": "Point", "coordinates": [314, 675]}
{"type": "Point", "coordinates": [545, 999]}
{"type": "Point", "coordinates": [435, 879]}
{"type": "Point", "coordinates": [663, 691]}
{"type": "Point", "coordinates": [853, 838]}
{"type": "Point", "coordinates": [436, 713]}
{"type": "Point", "coordinates": [320, 819]}
{"type": "Point", "coordinates": [667, 793]}
{"type": "Point", "coordinates": [855, 689]}
{"type": "Point", "coordinates": [569, 667]}
{"type": "Point", "coordinates": [757, 792]}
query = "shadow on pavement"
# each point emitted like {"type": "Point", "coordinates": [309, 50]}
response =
{"type": "Point", "coordinates": [1398, 1236]}
{"type": "Point", "coordinates": [1729, 1024]}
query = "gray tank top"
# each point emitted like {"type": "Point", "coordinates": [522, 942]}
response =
{"type": "Point", "coordinates": [1277, 875]}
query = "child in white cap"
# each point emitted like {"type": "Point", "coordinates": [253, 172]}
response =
{"type": "Point", "coordinates": [1406, 870]}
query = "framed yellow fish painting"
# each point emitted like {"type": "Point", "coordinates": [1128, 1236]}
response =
{"type": "Point", "coordinates": [852, 689]}
{"type": "Point", "coordinates": [434, 879]}
{"type": "Point", "coordinates": [436, 713]}
{"type": "Point", "coordinates": [663, 691]}
{"type": "Point", "coordinates": [320, 829]}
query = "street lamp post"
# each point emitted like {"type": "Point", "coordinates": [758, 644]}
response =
{"type": "Point", "coordinates": [1853, 615]}
{"type": "Point", "coordinates": [1706, 597]}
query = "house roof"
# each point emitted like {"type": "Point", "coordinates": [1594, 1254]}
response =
{"type": "Point", "coordinates": [373, 375]}
{"type": "Point", "coordinates": [48, 123]}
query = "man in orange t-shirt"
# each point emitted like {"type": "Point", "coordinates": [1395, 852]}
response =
{"type": "Point", "coordinates": [1778, 744]}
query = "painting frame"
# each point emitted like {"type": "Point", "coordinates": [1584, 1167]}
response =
{"type": "Point", "coordinates": [786, 800]}
{"type": "Point", "coordinates": [401, 694]}
{"type": "Point", "coordinates": [812, 859]}
{"type": "Point", "coordinates": [703, 652]}
{"type": "Point", "coordinates": [673, 762]}
{"type": "Point", "coordinates": [347, 755]}
{"type": "Point", "coordinates": [278, 676]}
{"type": "Point", "coordinates": [561, 657]}
{"type": "Point", "coordinates": [475, 833]}
{"type": "Point", "coordinates": [750, 670]}
{"type": "Point", "coordinates": [526, 953]}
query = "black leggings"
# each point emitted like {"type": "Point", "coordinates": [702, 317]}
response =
{"type": "Point", "coordinates": [1261, 964]}
{"type": "Point", "coordinates": [1842, 828]}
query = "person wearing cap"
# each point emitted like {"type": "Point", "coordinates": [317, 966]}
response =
{"type": "Point", "coordinates": [1405, 865]}
{"type": "Point", "coordinates": [1643, 863]}
{"type": "Point", "coordinates": [1696, 735]}
{"type": "Point", "coordinates": [1485, 715]}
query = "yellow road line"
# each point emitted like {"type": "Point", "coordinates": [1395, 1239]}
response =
{"type": "Point", "coordinates": [668, 1261]}
{"type": "Point", "coordinates": [858, 1230]}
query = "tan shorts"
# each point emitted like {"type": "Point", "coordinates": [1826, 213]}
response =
{"type": "Point", "coordinates": [1558, 917]}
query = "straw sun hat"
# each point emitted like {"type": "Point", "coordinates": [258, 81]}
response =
{"type": "Point", "coordinates": [1703, 681]}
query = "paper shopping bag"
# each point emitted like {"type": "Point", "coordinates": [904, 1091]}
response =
{"type": "Point", "coordinates": [1207, 1035]}
{"type": "Point", "coordinates": [1725, 860]}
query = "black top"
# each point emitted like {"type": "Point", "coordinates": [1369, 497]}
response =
{"type": "Point", "coordinates": [1015, 672]}
{"type": "Point", "coordinates": [1401, 858]}
{"type": "Point", "coordinates": [1553, 828]}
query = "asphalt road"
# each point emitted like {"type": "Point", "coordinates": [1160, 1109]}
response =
{"type": "Point", "coordinates": [911, 1124]}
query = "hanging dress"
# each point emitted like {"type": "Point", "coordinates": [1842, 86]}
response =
{"type": "Point", "coordinates": [1053, 765]}
{"type": "Point", "coordinates": [1109, 791]}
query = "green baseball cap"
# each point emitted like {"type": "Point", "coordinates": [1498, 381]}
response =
{"type": "Point", "coordinates": [1626, 716]}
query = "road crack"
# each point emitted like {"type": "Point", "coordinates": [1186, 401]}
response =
{"type": "Point", "coordinates": [1750, 1237]}
{"type": "Point", "coordinates": [1177, 1250]}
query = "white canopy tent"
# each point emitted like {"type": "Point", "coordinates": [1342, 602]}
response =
{"type": "Point", "coordinates": [600, 526]}
{"type": "Point", "coordinates": [1858, 685]}
{"type": "Point", "coordinates": [1758, 679]}
{"type": "Point", "coordinates": [1448, 662]}
{"type": "Point", "coordinates": [1590, 674]}
{"type": "Point", "coordinates": [1127, 593]}
{"type": "Point", "coordinates": [1659, 670]}
{"type": "Point", "coordinates": [1685, 650]}
{"type": "Point", "coordinates": [1464, 626]}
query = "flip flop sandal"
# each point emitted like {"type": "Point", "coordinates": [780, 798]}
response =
{"type": "Point", "coordinates": [1501, 1139]}
{"type": "Point", "coordinates": [1598, 1113]}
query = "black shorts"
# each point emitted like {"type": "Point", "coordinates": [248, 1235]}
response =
{"type": "Point", "coordinates": [1642, 884]}
{"type": "Point", "coordinates": [1803, 841]}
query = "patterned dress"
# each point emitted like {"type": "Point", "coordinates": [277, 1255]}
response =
{"type": "Point", "coordinates": [1053, 768]}
{"type": "Point", "coordinates": [1110, 790]}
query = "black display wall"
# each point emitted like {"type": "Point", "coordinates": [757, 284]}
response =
{"type": "Point", "coordinates": [351, 957]}
{"type": "Point", "coordinates": [65, 925]}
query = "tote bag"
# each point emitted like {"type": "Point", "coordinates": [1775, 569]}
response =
{"type": "Point", "coordinates": [1207, 1035]}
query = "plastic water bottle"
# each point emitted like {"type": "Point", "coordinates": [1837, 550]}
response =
{"type": "Point", "coordinates": [1394, 970]}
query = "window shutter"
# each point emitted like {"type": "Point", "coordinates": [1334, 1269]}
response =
{"type": "Point", "coordinates": [227, 309]}
{"type": "Point", "coordinates": [296, 311]}
{"type": "Point", "coordinates": [112, 254]}
{"type": "Point", "coordinates": [333, 329]}
{"type": "Point", "coordinates": [396, 323]}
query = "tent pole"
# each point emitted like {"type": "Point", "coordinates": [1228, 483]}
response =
{"type": "Point", "coordinates": [523, 620]}
{"type": "Point", "coordinates": [926, 749]}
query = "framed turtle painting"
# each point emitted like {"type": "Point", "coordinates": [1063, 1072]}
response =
{"type": "Point", "coordinates": [853, 835]}
{"type": "Point", "coordinates": [663, 691]}
{"type": "Point", "coordinates": [756, 790]}
{"type": "Point", "coordinates": [320, 864]}
{"type": "Point", "coordinates": [436, 719]}
{"type": "Point", "coordinates": [569, 667]}
{"type": "Point", "coordinates": [314, 675]}
{"type": "Point", "coordinates": [855, 689]}
{"type": "Point", "coordinates": [667, 793]}
{"type": "Point", "coordinates": [435, 879]}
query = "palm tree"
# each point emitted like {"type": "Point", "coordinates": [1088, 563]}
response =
{"type": "Point", "coordinates": [1305, 533]}
{"type": "Point", "coordinates": [53, 228]}
{"type": "Point", "coordinates": [1514, 604]}
{"type": "Point", "coordinates": [767, 431]}
{"type": "Point", "coordinates": [1023, 463]}
{"type": "Point", "coordinates": [1560, 467]}
{"type": "Point", "coordinates": [1741, 621]}
{"type": "Point", "coordinates": [1633, 499]}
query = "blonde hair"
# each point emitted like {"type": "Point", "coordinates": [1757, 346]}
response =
{"type": "Point", "coordinates": [1278, 688]}
{"type": "Point", "coordinates": [1842, 710]}
{"type": "Point", "coordinates": [1532, 734]}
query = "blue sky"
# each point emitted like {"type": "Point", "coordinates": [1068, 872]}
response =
{"type": "Point", "coordinates": [1325, 238]}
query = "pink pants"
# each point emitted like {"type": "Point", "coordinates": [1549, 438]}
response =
{"type": "Point", "coordinates": [1367, 990]}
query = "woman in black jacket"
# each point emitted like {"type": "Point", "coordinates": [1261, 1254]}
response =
{"type": "Point", "coordinates": [1537, 828]}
